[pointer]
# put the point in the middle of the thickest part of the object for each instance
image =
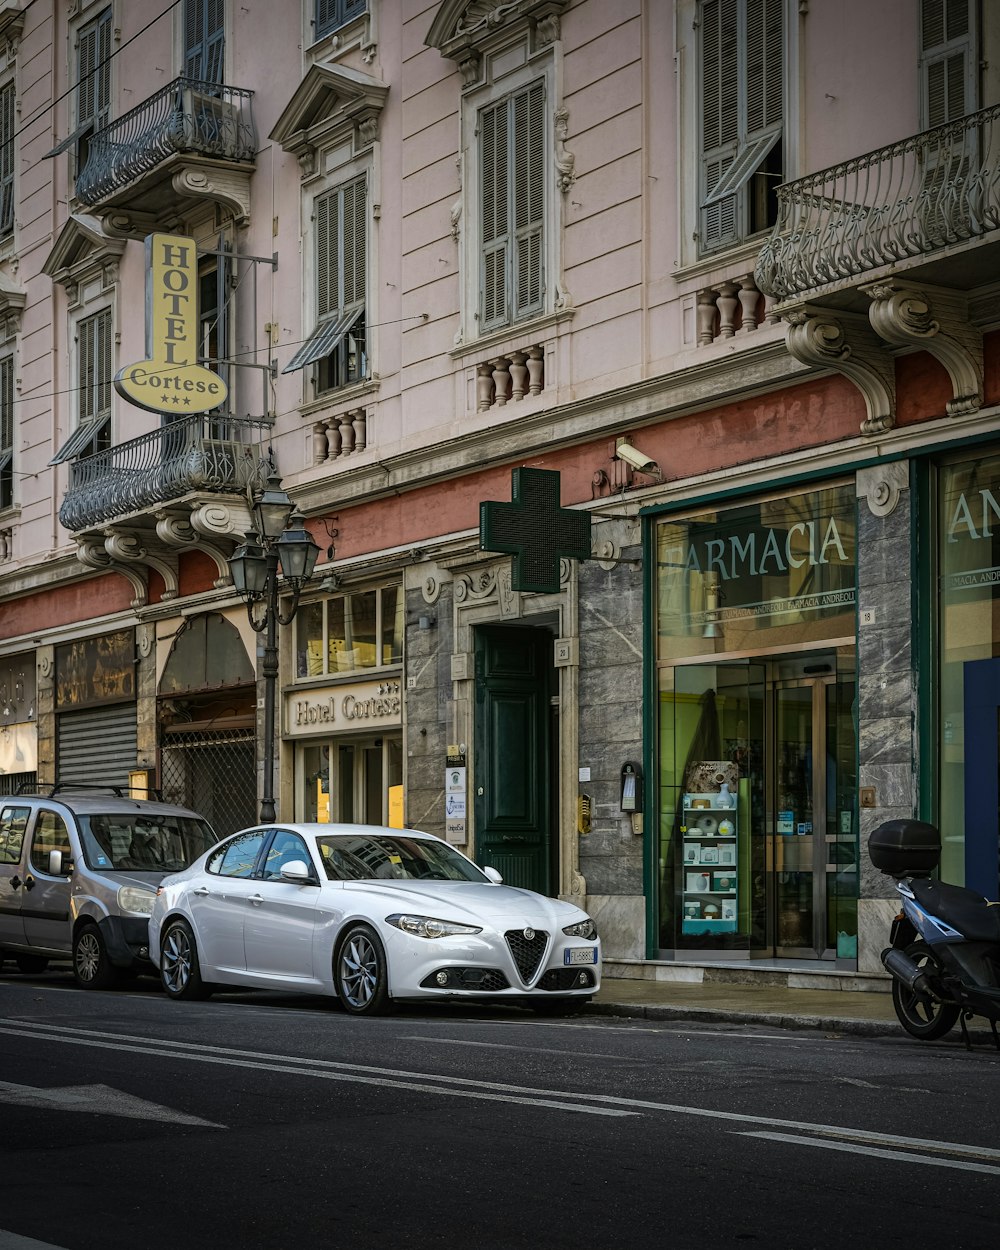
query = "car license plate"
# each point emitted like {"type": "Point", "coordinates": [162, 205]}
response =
{"type": "Point", "coordinates": [580, 955]}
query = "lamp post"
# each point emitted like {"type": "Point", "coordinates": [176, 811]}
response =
{"type": "Point", "coordinates": [278, 545]}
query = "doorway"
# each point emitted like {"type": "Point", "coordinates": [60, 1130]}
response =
{"type": "Point", "coordinates": [773, 872]}
{"type": "Point", "coordinates": [349, 780]}
{"type": "Point", "coordinates": [515, 778]}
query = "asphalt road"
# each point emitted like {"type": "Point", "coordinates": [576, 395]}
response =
{"type": "Point", "coordinates": [271, 1121]}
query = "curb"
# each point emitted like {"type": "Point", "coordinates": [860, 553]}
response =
{"type": "Point", "coordinates": [823, 1024]}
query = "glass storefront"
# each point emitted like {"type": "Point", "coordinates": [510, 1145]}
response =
{"type": "Point", "coordinates": [757, 844]}
{"type": "Point", "coordinates": [968, 558]}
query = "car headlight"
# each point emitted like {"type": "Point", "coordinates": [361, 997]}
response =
{"type": "Point", "coordinates": [135, 900]}
{"type": "Point", "coordinates": [582, 929]}
{"type": "Point", "coordinates": [428, 927]}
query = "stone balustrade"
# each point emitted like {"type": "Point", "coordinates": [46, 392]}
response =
{"type": "Point", "coordinates": [6, 544]}
{"type": "Point", "coordinates": [730, 308]}
{"type": "Point", "coordinates": [509, 378]}
{"type": "Point", "coordinates": [342, 435]}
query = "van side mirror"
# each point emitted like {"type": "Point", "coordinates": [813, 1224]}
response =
{"type": "Point", "coordinates": [56, 863]}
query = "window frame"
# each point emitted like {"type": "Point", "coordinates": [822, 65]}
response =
{"type": "Point", "coordinates": [207, 53]}
{"type": "Point", "coordinates": [92, 433]}
{"type": "Point", "coordinates": [340, 13]}
{"type": "Point", "coordinates": [754, 159]}
{"type": "Point", "coordinates": [8, 126]}
{"type": "Point", "coordinates": [965, 44]}
{"type": "Point", "coordinates": [7, 424]}
{"type": "Point", "coordinates": [89, 121]}
{"type": "Point", "coordinates": [326, 671]}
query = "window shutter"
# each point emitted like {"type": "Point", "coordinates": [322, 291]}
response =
{"type": "Point", "coordinates": [494, 189]}
{"type": "Point", "coordinates": [326, 229]}
{"type": "Point", "coordinates": [102, 76]}
{"type": "Point", "coordinates": [948, 69]}
{"type": "Point", "coordinates": [354, 244]}
{"type": "Point", "coordinates": [720, 116]}
{"type": "Point", "coordinates": [215, 41]}
{"type": "Point", "coordinates": [529, 198]}
{"type": "Point", "coordinates": [7, 432]}
{"type": "Point", "coordinates": [86, 65]}
{"type": "Point", "coordinates": [764, 66]}
{"type": "Point", "coordinates": [86, 369]}
{"type": "Point", "coordinates": [7, 159]}
{"type": "Point", "coordinates": [103, 363]}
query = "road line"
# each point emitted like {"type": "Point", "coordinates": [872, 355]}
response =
{"type": "Point", "coordinates": [377, 1075]}
{"type": "Point", "coordinates": [900, 1155]}
{"type": "Point", "coordinates": [522, 1050]}
{"type": "Point", "coordinates": [276, 1064]}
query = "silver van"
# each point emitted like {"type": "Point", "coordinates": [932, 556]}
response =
{"type": "Point", "coordinates": [78, 875]}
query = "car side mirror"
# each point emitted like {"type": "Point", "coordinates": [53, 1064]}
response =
{"type": "Point", "coordinates": [493, 875]}
{"type": "Point", "coordinates": [297, 871]}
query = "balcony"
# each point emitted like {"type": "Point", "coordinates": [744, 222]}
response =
{"type": "Point", "coordinates": [196, 455]}
{"type": "Point", "coordinates": [190, 141]}
{"type": "Point", "coordinates": [917, 206]}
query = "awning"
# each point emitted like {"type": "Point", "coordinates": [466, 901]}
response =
{"type": "Point", "coordinates": [325, 337]}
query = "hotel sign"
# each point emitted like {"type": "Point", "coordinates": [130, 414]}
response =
{"type": "Point", "coordinates": [344, 709]}
{"type": "Point", "coordinates": [171, 380]}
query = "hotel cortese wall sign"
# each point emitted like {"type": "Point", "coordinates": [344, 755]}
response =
{"type": "Point", "coordinates": [171, 381]}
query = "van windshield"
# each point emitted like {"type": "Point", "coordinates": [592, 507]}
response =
{"type": "Point", "coordinates": [142, 841]}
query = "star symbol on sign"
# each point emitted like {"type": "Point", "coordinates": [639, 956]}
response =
{"type": "Point", "coordinates": [164, 399]}
{"type": "Point", "coordinates": [177, 400]}
{"type": "Point", "coordinates": [187, 401]}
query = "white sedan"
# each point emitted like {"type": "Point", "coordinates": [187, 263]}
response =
{"type": "Point", "coordinates": [368, 915]}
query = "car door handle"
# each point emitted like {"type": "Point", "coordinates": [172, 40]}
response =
{"type": "Point", "coordinates": [29, 883]}
{"type": "Point", "coordinates": [201, 890]}
{"type": "Point", "coordinates": [15, 882]}
{"type": "Point", "coordinates": [256, 899]}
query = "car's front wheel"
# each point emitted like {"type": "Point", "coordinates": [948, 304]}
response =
{"type": "Point", "coordinates": [180, 972]}
{"type": "Point", "coordinates": [92, 967]}
{"type": "Point", "coordinates": [360, 972]}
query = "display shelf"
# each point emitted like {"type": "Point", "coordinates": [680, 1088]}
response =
{"type": "Point", "coordinates": [710, 870]}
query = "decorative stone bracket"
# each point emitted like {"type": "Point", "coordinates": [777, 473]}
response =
{"type": "Point", "coordinates": [846, 343]}
{"type": "Point", "coordinates": [938, 322]}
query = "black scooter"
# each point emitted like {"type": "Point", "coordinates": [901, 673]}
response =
{"type": "Point", "coordinates": [944, 952]}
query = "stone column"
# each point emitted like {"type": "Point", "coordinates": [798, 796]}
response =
{"type": "Point", "coordinates": [45, 712]}
{"type": "Point", "coordinates": [145, 696]}
{"type": "Point", "coordinates": [887, 689]}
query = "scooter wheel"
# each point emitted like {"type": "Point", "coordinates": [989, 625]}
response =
{"type": "Point", "coordinates": [923, 1017]}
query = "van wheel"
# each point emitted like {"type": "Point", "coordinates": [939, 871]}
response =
{"type": "Point", "coordinates": [92, 967]}
{"type": "Point", "coordinates": [180, 973]}
{"type": "Point", "coordinates": [30, 964]}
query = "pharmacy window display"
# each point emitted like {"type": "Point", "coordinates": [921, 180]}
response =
{"type": "Point", "coordinates": [756, 840]}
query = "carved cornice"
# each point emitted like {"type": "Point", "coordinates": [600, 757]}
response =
{"type": "Point", "coordinates": [937, 321]}
{"type": "Point", "coordinates": [847, 345]}
{"type": "Point", "coordinates": [13, 297]}
{"type": "Point", "coordinates": [126, 547]}
{"type": "Point", "coordinates": [331, 104]}
{"type": "Point", "coordinates": [226, 185]}
{"type": "Point", "coordinates": [92, 552]}
{"type": "Point", "coordinates": [465, 30]}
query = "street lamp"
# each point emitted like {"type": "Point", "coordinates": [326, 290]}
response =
{"type": "Point", "coordinates": [278, 541]}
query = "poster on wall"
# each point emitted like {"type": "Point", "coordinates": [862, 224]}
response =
{"type": "Point", "coordinates": [455, 810]}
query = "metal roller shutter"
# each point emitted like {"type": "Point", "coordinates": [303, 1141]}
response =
{"type": "Point", "coordinates": [96, 745]}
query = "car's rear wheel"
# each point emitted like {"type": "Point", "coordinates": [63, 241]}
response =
{"type": "Point", "coordinates": [30, 964]}
{"type": "Point", "coordinates": [180, 972]}
{"type": "Point", "coordinates": [92, 967]}
{"type": "Point", "coordinates": [360, 972]}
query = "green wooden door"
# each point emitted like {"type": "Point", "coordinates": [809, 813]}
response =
{"type": "Point", "coordinates": [513, 760]}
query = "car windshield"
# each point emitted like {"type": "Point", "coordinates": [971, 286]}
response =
{"type": "Point", "coordinates": [372, 858]}
{"type": "Point", "coordinates": [143, 841]}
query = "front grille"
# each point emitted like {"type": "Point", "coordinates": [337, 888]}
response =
{"type": "Point", "coordinates": [527, 952]}
{"type": "Point", "coordinates": [485, 980]}
{"type": "Point", "coordinates": [566, 979]}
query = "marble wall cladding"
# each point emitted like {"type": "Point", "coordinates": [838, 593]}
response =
{"type": "Point", "coordinates": [875, 916]}
{"type": "Point", "coordinates": [887, 684]}
{"type": "Point", "coordinates": [621, 922]}
{"type": "Point", "coordinates": [610, 732]}
{"type": "Point", "coordinates": [427, 720]}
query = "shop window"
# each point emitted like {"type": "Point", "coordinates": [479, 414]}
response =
{"type": "Point", "coordinates": [350, 633]}
{"type": "Point", "coordinates": [741, 109]}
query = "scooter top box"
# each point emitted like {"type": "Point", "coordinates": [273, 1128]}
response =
{"type": "Point", "coordinates": [905, 848]}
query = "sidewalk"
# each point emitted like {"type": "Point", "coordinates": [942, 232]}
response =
{"type": "Point", "coordinates": [861, 1012]}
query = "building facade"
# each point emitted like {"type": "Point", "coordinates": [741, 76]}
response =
{"type": "Point", "coordinates": [723, 266]}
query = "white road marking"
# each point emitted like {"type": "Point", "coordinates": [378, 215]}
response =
{"type": "Point", "coordinates": [350, 1073]}
{"type": "Point", "coordinates": [900, 1155]}
{"type": "Point", "coordinates": [522, 1050]}
{"type": "Point", "coordinates": [98, 1099]}
{"type": "Point", "coordinates": [370, 1075]}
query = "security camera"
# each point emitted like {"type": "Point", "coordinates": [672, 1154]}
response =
{"type": "Point", "coordinates": [637, 459]}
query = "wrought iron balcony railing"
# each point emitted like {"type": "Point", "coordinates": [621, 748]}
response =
{"type": "Point", "coordinates": [909, 199]}
{"type": "Point", "coordinates": [187, 115]}
{"type": "Point", "coordinates": [197, 453]}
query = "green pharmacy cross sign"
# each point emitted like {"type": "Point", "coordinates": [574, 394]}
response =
{"type": "Point", "coordinates": [535, 530]}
